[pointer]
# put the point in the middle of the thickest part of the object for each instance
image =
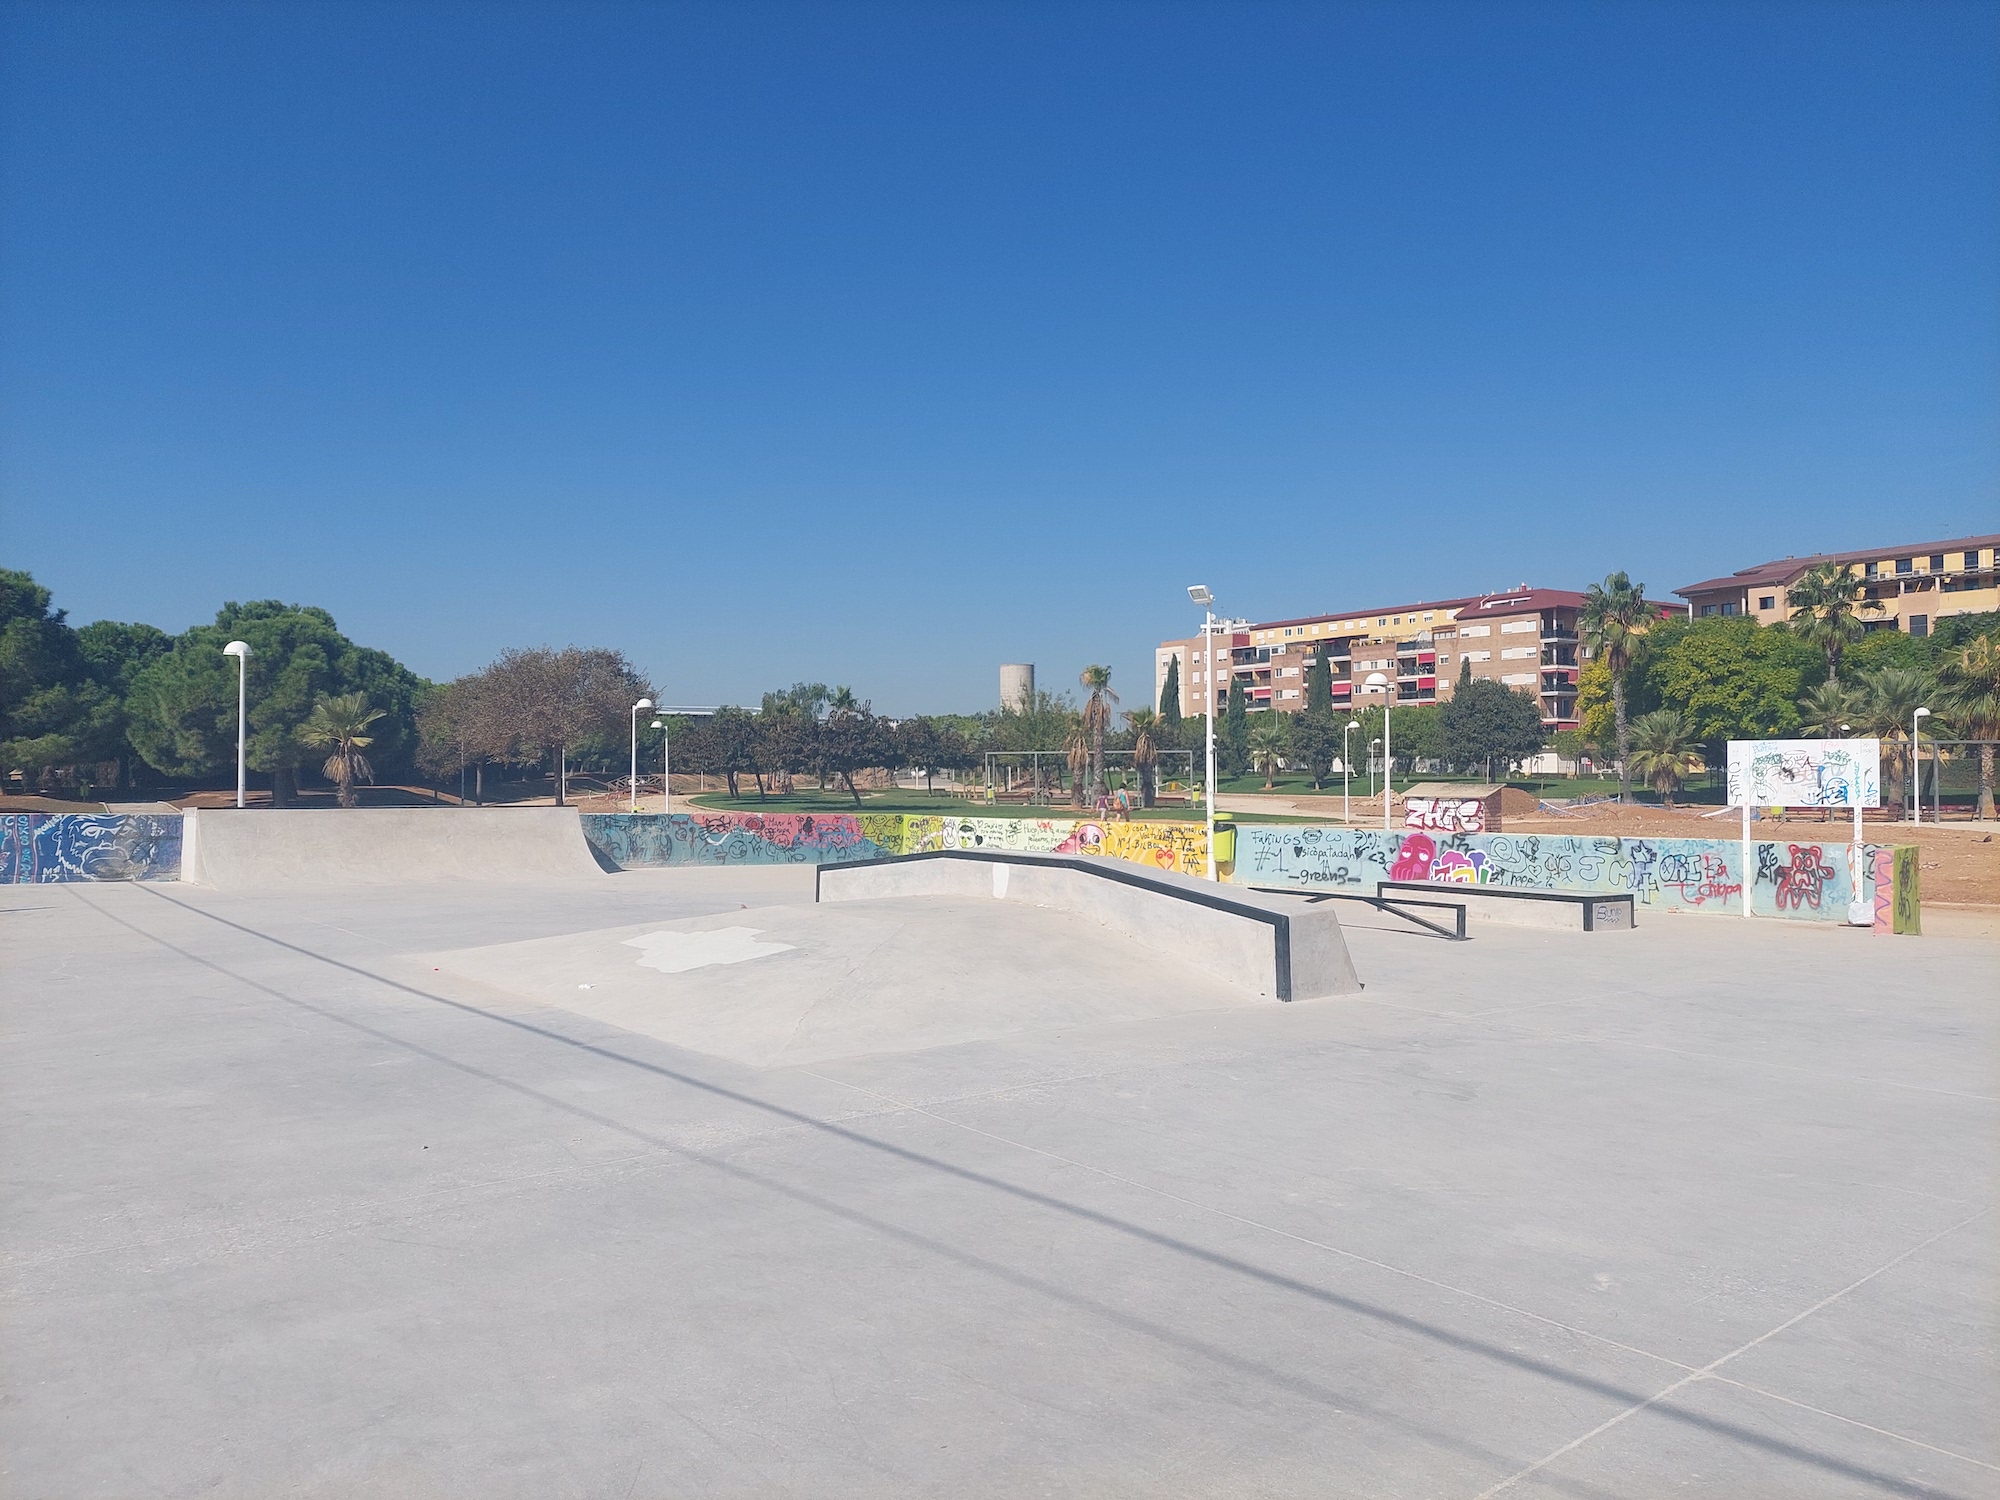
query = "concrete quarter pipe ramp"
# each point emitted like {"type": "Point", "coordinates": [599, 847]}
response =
{"type": "Point", "coordinates": [267, 849]}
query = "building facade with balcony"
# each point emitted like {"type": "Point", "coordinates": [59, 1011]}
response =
{"type": "Point", "coordinates": [1524, 638]}
{"type": "Point", "coordinates": [1916, 584]}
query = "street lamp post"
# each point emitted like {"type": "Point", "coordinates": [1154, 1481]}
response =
{"type": "Point", "coordinates": [1916, 780]}
{"type": "Point", "coordinates": [666, 763]}
{"type": "Point", "coordinates": [1347, 773]}
{"type": "Point", "coordinates": [241, 651]}
{"type": "Point", "coordinates": [642, 703]}
{"type": "Point", "coordinates": [1206, 602]}
{"type": "Point", "coordinates": [1376, 679]}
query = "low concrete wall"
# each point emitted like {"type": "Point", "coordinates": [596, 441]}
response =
{"type": "Point", "coordinates": [1563, 911]}
{"type": "Point", "coordinates": [264, 848]}
{"type": "Point", "coordinates": [1269, 944]}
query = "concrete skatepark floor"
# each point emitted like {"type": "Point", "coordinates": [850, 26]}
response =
{"type": "Point", "coordinates": [360, 1193]}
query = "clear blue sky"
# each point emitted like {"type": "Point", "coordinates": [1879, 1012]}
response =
{"type": "Point", "coordinates": [882, 343]}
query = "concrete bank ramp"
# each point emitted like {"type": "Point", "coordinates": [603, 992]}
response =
{"type": "Point", "coordinates": [266, 849]}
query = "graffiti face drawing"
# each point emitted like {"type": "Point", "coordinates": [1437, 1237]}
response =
{"type": "Point", "coordinates": [1413, 860]}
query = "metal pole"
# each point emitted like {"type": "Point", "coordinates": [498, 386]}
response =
{"type": "Point", "coordinates": [1388, 760]}
{"type": "Point", "coordinates": [1749, 874]}
{"type": "Point", "coordinates": [242, 711]}
{"type": "Point", "coordinates": [1208, 718]}
{"type": "Point", "coordinates": [666, 766]}
{"type": "Point", "coordinates": [1346, 776]}
{"type": "Point", "coordinates": [635, 758]}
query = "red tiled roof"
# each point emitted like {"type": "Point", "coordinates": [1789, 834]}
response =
{"type": "Point", "coordinates": [1519, 600]}
{"type": "Point", "coordinates": [1783, 570]}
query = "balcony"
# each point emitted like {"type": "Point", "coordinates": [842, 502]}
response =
{"type": "Point", "coordinates": [1559, 637]}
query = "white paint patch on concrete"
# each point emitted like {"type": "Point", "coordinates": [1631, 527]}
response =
{"type": "Point", "coordinates": [678, 952]}
{"type": "Point", "coordinates": [1000, 882]}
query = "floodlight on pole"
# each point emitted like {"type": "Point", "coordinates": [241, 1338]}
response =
{"type": "Point", "coordinates": [1205, 601]}
{"type": "Point", "coordinates": [241, 651]}
{"type": "Point", "coordinates": [1376, 679]}
{"type": "Point", "coordinates": [1916, 781]}
{"type": "Point", "coordinates": [666, 764]}
{"type": "Point", "coordinates": [642, 703]}
{"type": "Point", "coordinates": [1347, 773]}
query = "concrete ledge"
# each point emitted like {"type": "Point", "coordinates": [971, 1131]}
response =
{"type": "Point", "coordinates": [1272, 945]}
{"type": "Point", "coordinates": [268, 848]}
{"type": "Point", "coordinates": [1568, 911]}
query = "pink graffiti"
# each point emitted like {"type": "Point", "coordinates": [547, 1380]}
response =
{"type": "Point", "coordinates": [1413, 860]}
{"type": "Point", "coordinates": [1460, 869]}
{"type": "Point", "coordinates": [1801, 883]}
{"type": "Point", "coordinates": [1085, 838]}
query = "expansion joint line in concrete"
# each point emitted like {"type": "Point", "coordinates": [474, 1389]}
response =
{"type": "Point", "coordinates": [1692, 1372]}
{"type": "Point", "coordinates": [1082, 1213]}
{"type": "Point", "coordinates": [1707, 1371]}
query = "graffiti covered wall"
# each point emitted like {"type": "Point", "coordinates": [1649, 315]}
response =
{"type": "Point", "coordinates": [719, 838]}
{"type": "Point", "coordinates": [1798, 880]}
{"type": "Point", "coordinates": [47, 847]}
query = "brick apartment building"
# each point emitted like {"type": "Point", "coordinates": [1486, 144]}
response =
{"type": "Point", "coordinates": [1917, 584]}
{"type": "Point", "coordinates": [1525, 638]}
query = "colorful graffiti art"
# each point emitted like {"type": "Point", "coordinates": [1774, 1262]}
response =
{"type": "Point", "coordinates": [1663, 874]}
{"type": "Point", "coordinates": [1445, 814]}
{"type": "Point", "coordinates": [47, 847]}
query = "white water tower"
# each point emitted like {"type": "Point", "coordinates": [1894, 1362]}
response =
{"type": "Point", "coordinates": [1017, 684]}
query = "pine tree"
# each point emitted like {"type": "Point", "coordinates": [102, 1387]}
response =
{"type": "Point", "coordinates": [1170, 694]}
{"type": "Point", "coordinates": [1319, 683]}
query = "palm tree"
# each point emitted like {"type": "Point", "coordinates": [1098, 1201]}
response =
{"type": "Point", "coordinates": [341, 724]}
{"type": "Point", "coordinates": [1614, 614]}
{"type": "Point", "coordinates": [1827, 605]}
{"type": "Point", "coordinates": [1831, 709]}
{"type": "Point", "coordinates": [1145, 726]}
{"type": "Point", "coordinates": [1268, 743]}
{"type": "Point", "coordinates": [1076, 744]}
{"type": "Point", "coordinates": [1665, 751]}
{"type": "Point", "coordinates": [1971, 676]}
{"type": "Point", "coordinates": [1890, 697]}
{"type": "Point", "coordinates": [1097, 719]}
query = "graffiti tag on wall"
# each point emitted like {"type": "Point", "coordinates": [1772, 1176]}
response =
{"type": "Point", "coordinates": [37, 848]}
{"type": "Point", "coordinates": [1445, 814]}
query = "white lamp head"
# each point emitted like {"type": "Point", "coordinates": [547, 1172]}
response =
{"type": "Point", "coordinates": [237, 649]}
{"type": "Point", "coordinates": [1374, 679]}
{"type": "Point", "coordinates": [1922, 713]}
{"type": "Point", "coordinates": [1353, 723]}
{"type": "Point", "coordinates": [656, 724]}
{"type": "Point", "coordinates": [1199, 593]}
{"type": "Point", "coordinates": [642, 703]}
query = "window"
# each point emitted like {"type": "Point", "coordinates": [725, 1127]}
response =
{"type": "Point", "coordinates": [1972, 559]}
{"type": "Point", "coordinates": [1732, 608]}
{"type": "Point", "coordinates": [1873, 570]}
{"type": "Point", "coordinates": [1382, 620]}
{"type": "Point", "coordinates": [1708, 609]}
{"type": "Point", "coordinates": [1517, 627]}
{"type": "Point", "coordinates": [1920, 624]}
{"type": "Point", "coordinates": [1477, 630]}
{"type": "Point", "coordinates": [1767, 601]}
{"type": "Point", "coordinates": [1937, 562]}
{"type": "Point", "coordinates": [1479, 656]}
{"type": "Point", "coordinates": [1519, 653]}
{"type": "Point", "coordinates": [1518, 679]}
{"type": "Point", "coordinates": [1905, 564]}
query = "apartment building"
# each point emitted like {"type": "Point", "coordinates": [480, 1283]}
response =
{"type": "Point", "coordinates": [1917, 584]}
{"type": "Point", "coordinates": [1525, 638]}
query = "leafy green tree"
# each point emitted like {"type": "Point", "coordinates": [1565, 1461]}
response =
{"type": "Point", "coordinates": [341, 725]}
{"type": "Point", "coordinates": [1890, 697]}
{"type": "Point", "coordinates": [54, 717]}
{"type": "Point", "coordinates": [1664, 751]}
{"type": "Point", "coordinates": [1734, 679]}
{"type": "Point", "coordinates": [852, 738]}
{"type": "Point", "coordinates": [183, 703]}
{"type": "Point", "coordinates": [1316, 743]}
{"type": "Point", "coordinates": [1828, 601]}
{"type": "Point", "coordinates": [1418, 732]}
{"type": "Point", "coordinates": [1232, 744]}
{"type": "Point", "coordinates": [1970, 677]}
{"type": "Point", "coordinates": [1170, 693]}
{"type": "Point", "coordinates": [1615, 613]}
{"type": "Point", "coordinates": [1888, 648]}
{"type": "Point", "coordinates": [556, 702]}
{"type": "Point", "coordinates": [1319, 681]}
{"type": "Point", "coordinates": [1487, 721]}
